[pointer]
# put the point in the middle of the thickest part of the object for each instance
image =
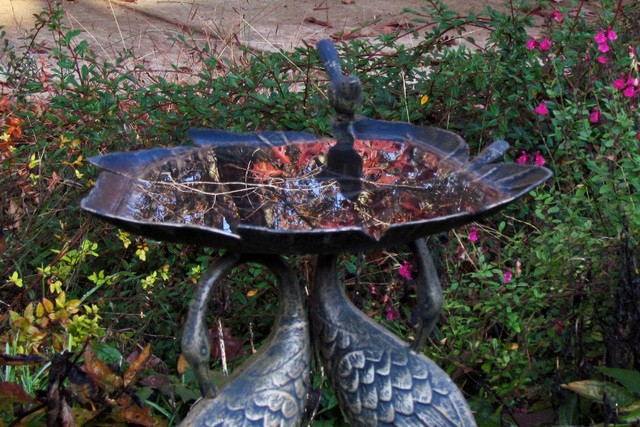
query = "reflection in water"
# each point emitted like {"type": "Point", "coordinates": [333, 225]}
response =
{"type": "Point", "coordinates": [290, 188]}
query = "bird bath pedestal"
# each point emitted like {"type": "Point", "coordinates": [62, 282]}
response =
{"type": "Point", "coordinates": [263, 195]}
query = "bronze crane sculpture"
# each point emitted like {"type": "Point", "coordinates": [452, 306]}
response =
{"type": "Point", "coordinates": [378, 378]}
{"type": "Point", "coordinates": [271, 388]}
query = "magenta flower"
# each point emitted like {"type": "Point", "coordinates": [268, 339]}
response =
{"type": "Point", "coordinates": [629, 92]}
{"type": "Point", "coordinates": [604, 48]}
{"type": "Point", "coordinates": [507, 276]}
{"type": "Point", "coordinates": [611, 35]}
{"type": "Point", "coordinates": [620, 83]}
{"type": "Point", "coordinates": [391, 313]}
{"type": "Point", "coordinates": [532, 43]}
{"type": "Point", "coordinates": [595, 115]}
{"type": "Point", "coordinates": [473, 236]}
{"type": "Point", "coordinates": [372, 289]}
{"type": "Point", "coordinates": [539, 159]}
{"type": "Point", "coordinates": [405, 270]}
{"type": "Point", "coordinates": [542, 108]}
{"type": "Point", "coordinates": [602, 59]}
{"type": "Point", "coordinates": [556, 15]}
{"type": "Point", "coordinates": [632, 82]}
{"type": "Point", "coordinates": [638, 135]}
{"type": "Point", "coordinates": [523, 159]}
{"type": "Point", "coordinates": [600, 38]}
{"type": "Point", "coordinates": [545, 44]}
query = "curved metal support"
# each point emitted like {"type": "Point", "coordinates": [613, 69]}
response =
{"type": "Point", "coordinates": [377, 378]}
{"type": "Point", "coordinates": [269, 389]}
{"type": "Point", "coordinates": [428, 292]}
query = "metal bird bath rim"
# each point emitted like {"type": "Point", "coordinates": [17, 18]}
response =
{"type": "Point", "coordinates": [375, 184]}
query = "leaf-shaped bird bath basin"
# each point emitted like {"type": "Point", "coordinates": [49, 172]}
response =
{"type": "Point", "coordinates": [374, 184]}
{"type": "Point", "coordinates": [271, 192]}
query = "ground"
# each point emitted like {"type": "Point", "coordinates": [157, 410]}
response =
{"type": "Point", "coordinates": [145, 25]}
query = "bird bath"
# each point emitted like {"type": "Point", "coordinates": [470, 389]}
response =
{"type": "Point", "coordinates": [260, 195]}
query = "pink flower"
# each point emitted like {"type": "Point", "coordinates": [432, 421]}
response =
{"type": "Point", "coordinates": [523, 159]}
{"type": "Point", "coordinates": [391, 313]}
{"type": "Point", "coordinates": [600, 38]}
{"type": "Point", "coordinates": [602, 59]}
{"type": "Point", "coordinates": [595, 115]}
{"type": "Point", "coordinates": [556, 15]}
{"type": "Point", "coordinates": [620, 83]}
{"type": "Point", "coordinates": [507, 276]}
{"type": "Point", "coordinates": [532, 43]}
{"type": "Point", "coordinates": [372, 289]}
{"type": "Point", "coordinates": [542, 108]}
{"type": "Point", "coordinates": [545, 44]}
{"type": "Point", "coordinates": [604, 47]}
{"type": "Point", "coordinates": [611, 35]}
{"type": "Point", "coordinates": [632, 82]}
{"type": "Point", "coordinates": [638, 135]}
{"type": "Point", "coordinates": [405, 270]}
{"type": "Point", "coordinates": [473, 236]}
{"type": "Point", "coordinates": [539, 159]}
{"type": "Point", "coordinates": [629, 92]}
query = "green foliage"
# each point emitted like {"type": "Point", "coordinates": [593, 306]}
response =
{"type": "Point", "coordinates": [527, 302]}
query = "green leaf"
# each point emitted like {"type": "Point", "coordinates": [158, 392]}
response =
{"type": "Point", "coordinates": [595, 390]}
{"type": "Point", "coordinates": [628, 378]}
{"type": "Point", "coordinates": [107, 353]}
{"type": "Point", "coordinates": [632, 412]}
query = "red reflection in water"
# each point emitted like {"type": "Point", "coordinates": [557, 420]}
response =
{"type": "Point", "coordinates": [282, 188]}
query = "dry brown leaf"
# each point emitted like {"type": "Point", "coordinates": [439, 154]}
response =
{"type": "Point", "coordinates": [182, 364]}
{"type": "Point", "coordinates": [14, 393]}
{"type": "Point", "coordinates": [137, 366]}
{"type": "Point", "coordinates": [394, 27]}
{"type": "Point", "coordinates": [312, 20]}
{"type": "Point", "coordinates": [99, 371]}
{"type": "Point", "coordinates": [135, 414]}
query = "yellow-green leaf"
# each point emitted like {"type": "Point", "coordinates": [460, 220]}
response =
{"type": "Point", "coordinates": [48, 305]}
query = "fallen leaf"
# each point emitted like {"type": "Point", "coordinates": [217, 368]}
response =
{"type": "Point", "coordinates": [135, 414]}
{"type": "Point", "coordinates": [154, 381]}
{"type": "Point", "coordinates": [14, 393]}
{"type": "Point", "coordinates": [262, 171]}
{"type": "Point", "coordinates": [232, 345]}
{"type": "Point", "coordinates": [312, 20]}
{"type": "Point", "coordinates": [137, 366]}
{"type": "Point", "coordinates": [394, 27]}
{"type": "Point", "coordinates": [182, 364]}
{"type": "Point", "coordinates": [280, 153]}
{"type": "Point", "coordinates": [99, 371]}
{"type": "Point", "coordinates": [346, 36]}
